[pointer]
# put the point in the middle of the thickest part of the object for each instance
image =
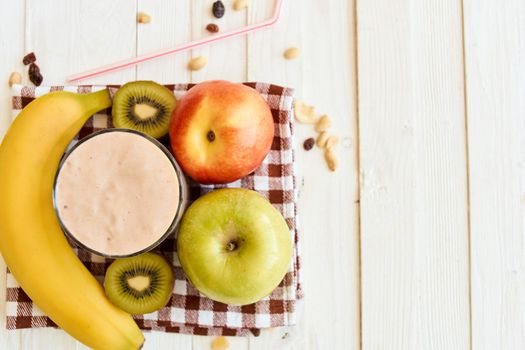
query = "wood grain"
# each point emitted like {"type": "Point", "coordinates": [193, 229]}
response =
{"type": "Point", "coordinates": [72, 36]}
{"type": "Point", "coordinates": [495, 60]}
{"type": "Point", "coordinates": [325, 77]}
{"type": "Point", "coordinates": [170, 26]}
{"type": "Point", "coordinates": [407, 148]}
{"type": "Point", "coordinates": [414, 227]}
{"type": "Point", "coordinates": [12, 49]}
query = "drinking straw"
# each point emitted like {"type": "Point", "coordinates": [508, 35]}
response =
{"type": "Point", "coordinates": [188, 46]}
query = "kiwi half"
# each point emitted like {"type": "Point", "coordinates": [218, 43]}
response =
{"type": "Point", "coordinates": [143, 106]}
{"type": "Point", "coordinates": [140, 284]}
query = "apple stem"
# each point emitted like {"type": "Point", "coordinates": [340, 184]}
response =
{"type": "Point", "coordinates": [211, 136]}
{"type": "Point", "coordinates": [231, 246]}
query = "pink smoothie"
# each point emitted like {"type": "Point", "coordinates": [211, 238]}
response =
{"type": "Point", "coordinates": [117, 193]}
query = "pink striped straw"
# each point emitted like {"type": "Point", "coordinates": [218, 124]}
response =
{"type": "Point", "coordinates": [188, 46]}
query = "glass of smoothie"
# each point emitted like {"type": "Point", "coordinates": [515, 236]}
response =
{"type": "Point", "coordinates": [119, 193]}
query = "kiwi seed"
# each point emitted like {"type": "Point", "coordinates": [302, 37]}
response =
{"type": "Point", "coordinates": [140, 284]}
{"type": "Point", "coordinates": [143, 106]}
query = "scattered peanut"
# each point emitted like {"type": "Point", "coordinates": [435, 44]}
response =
{"type": "Point", "coordinates": [292, 53]}
{"type": "Point", "coordinates": [323, 123]}
{"type": "Point", "coordinates": [220, 343]}
{"type": "Point", "coordinates": [15, 78]}
{"type": "Point", "coordinates": [322, 139]}
{"type": "Point", "coordinates": [240, 5]}
{"type": "Point", "coordinates": [332, 142]}
{"type": "Point", "coordinates": [331, 159]}
{"type": "Point", "coordinates": [304, 114]}
{"type": "Point", "coordinates": [143, 18]}
{"type": "Point", "coordinates": [197, 63]}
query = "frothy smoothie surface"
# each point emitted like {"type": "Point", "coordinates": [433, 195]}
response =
{"type": "Point", "coordinates": [117, 193]}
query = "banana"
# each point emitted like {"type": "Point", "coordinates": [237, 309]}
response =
{"type": "Point", "coordinates": [31, 241]}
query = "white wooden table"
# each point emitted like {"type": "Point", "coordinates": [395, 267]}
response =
{"type": "Point", "coordinates": [418, 240]}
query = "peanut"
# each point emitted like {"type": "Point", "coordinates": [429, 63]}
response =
{"type": "Point", "coordinates": [292, 53]}
{"type": "Point", "coordinates": [220, 343]}
{"type": "Point", "coordinates": [323, 123]}
{"type": "Point", "coordinates": [143, 18]}
{"type": "Point", "coordinates": [304, 114]}
{"type": "Point", "coordinates": [240, 5]}
{"type": "Point", "coordinates": [332, 142]}
{"type": "Point", "coordinates": [197, 63]}
{"type": "Point", "coordinates": [15, 78]}
{"type": "Point", "coordinates": [322, 139]}
{"type": "Point", "coordinates": [331, 159]}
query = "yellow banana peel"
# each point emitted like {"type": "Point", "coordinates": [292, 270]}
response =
{"type": "Point", "coordinates": [31, 241]}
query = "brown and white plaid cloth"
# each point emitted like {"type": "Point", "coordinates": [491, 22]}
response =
{"type": "Point", "coordinates": [188, 311]}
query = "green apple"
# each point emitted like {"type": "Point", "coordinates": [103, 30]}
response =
{"type": "Point", "coordinates": [234, 246]}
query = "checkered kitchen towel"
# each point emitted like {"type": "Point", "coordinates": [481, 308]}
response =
{"type": "Point", "coordinates": [188, 311]}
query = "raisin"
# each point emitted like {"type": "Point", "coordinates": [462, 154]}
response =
{"type": "Point", "coordinates": [34, 74]}
{"type": "Point", "coordinates": [218, 9]}
{"type": "Point", "coordinates": [29, 58]}
{"type": "Point", "coordinates": [212, 28]}
{"type": "Point", "coordinates": [309, 143]}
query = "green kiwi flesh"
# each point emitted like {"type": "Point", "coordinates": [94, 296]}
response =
{"type": "Point", "coordinates": [143, 106]}
{"type": "Point", "coordinates": [140, 284]}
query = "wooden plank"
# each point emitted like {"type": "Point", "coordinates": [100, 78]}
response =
{"type": "Point", "coordinates": [170, 25]}
{"type": "Point", "coordinates": [12, 48]}
{"type": "Point", "coordinates": [414, 225]}
{"type": "Point", "coordinates": [226, 60]}
{"type": "Point", "coordinates": [324, 76]}
{"type": "Point", "coordinates": [495, 52]}
{"type": "Point", "coordinates": [329, 202]}
{"type": "Point", "coordinates": [37, 339]}
{"type": "Point", "coordinates": [266, 48]}
{"type": "Point", "coordinates": [72, 36]}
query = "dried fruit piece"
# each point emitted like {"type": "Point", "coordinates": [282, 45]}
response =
{"type": "Point", "coordinates": [331, 159]}
{"type": "Point", "coordinates": [304, 113]}
{"type": "Point", "coordinates": [197, 63]}
{"type": "Point", "coordinates": [143, 18]}
{"type": "Point", "coordinates": [308, 144]}
{"type": "Point", "coordinates": [291, 53]}
{"type": "Point", "coordinates": [323, 123]}
{"type": "Point", "coordinates": [240, 4]}
{"type": "Point", "coordinates": [34, 74]}
{"type": "Point", "coordinates": [29, 58]}
{"type": "Point", "coordinates": [218, 9]}
{"type": "Point", "coordinates": [321, 139]}
{"type": "Point", "coordinates": [220, 343]}
{"type": "Point", "coordinates": [15, 78]}
{"type": "Point", "coordinates": [332, 142]}
{"type": "Point", "coordinates": [212, 28]}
